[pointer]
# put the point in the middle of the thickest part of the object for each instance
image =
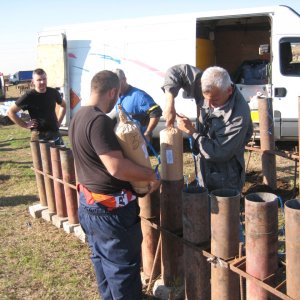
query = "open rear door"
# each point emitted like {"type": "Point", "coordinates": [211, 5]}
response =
{"type": "Point", "coordinates": [52, 57]}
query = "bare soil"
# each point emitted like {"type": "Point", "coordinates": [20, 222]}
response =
{"type": "Point", "coordinates": [286, 174]}
{"type": "Point", "coordinates": [15, 91]}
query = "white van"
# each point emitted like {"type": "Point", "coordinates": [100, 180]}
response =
{"type": "Point", "coordinates": [260, 47]}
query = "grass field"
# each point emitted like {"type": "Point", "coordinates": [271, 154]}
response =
{"type": "Point", "coordinates": [39, 261]}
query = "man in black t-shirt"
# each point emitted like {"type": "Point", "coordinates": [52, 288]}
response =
{"type": "Point", "coordinates": [108, 210]}
{"type": "Point", "coordinates": [40, 102]}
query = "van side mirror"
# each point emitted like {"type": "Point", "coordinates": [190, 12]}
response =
{"type": "Point", "coordinates": [263, 49]}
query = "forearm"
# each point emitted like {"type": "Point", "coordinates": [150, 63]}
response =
{"type": "Point", "coordinates": [13, 116]}
{"type": "Point", "coordinates": [170, 99]}
{"type": "Point", "coordinates": [130, 171]}
{"type": "Point", "coordinates": [124, 169]}
{"type": "Point", "coordinates": [169, 112]}
{"type": "Point", "coordinates": [152, 124]}
{"type": "Point", "coordinates": [61, 115]}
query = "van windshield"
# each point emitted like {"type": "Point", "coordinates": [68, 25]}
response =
{"type": "Point", "coordinates": [290, 56]}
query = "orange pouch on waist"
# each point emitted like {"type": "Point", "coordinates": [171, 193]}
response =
{"type": "Point", "coordinates": [109, 201]}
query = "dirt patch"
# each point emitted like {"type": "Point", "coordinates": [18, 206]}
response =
{"type": "Point", "coordinates": [286, 174]}
{"type": "Point", "coordinates": [15, 91]}
{"type": "Point", "coordinates": [253, 185]}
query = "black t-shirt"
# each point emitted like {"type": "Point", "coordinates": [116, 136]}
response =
{"type": "Point", "coordinates": [92, 133]}
{"type": "Point", "coordinates": [41, 106]}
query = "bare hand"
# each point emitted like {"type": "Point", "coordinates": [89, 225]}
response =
{"type": "Point", "coordinates": [154, 185]}
{"type": "Point", "coordinates": [148, 136]}
{"type": "Point", "coordinates": [185, 124]}
{"type": "Point", "coordinates": [32, 124]}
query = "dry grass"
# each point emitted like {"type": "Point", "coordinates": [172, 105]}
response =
{"type": "Point", "coordinates": [39, 261]}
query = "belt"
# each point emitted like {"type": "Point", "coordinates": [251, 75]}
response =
{"type": "Point", "coordinates": [110, 201]}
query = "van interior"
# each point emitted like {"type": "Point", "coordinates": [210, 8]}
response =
{"type": "Point", "coordinates": [234, 44]}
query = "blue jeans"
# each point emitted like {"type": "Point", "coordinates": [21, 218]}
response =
{"type": "Point", "coordinates": [115, 239]}
{"type": "Point", "coordinates": [54, 136]}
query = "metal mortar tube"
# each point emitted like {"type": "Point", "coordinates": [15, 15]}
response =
{"type": "Point", "coordinates": [225, 226]}
{"type": "Point", "coordinates": [261, 227]}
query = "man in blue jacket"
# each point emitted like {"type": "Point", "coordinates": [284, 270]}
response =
{"type": "Point", "coordinates": [139, 105]}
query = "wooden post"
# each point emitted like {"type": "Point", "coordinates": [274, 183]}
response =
{"type": "Point", "coordinates": [171, 219]}
{"type": "Point", "coordinates": [68, 173]}
{"type": "Point", "coordinates": [47, 168]}
{"type": "Point", "coordinates": [150, 206]}
{"type": "Point", "coordinates": [261, 226]}
{"type": "Point", "coordinates": [299, 138]}
{"type": "Point", "coordinates": [225, 226]}
{"type": "Point", "coordinates": [37, 164]}
{"type": "Point", "coordinates": [292, 229]}
{"type": "Point", "coordinates": [196, 229]}
{"type": "Point", "coordinates": [171, 151]}
{"type": "Point", "coordinates": [60, 199]}
{"type": "Point", "coordinates": [267, 141]}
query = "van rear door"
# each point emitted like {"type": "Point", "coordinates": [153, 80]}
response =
{"type": "Point", "coordinates": [286, 70]}
{"type": "Point", "coordinates": [52, 57]}
{"type": "Point", "coordinates": [285, 79]}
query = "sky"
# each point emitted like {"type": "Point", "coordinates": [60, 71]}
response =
{"type": "Point", "coordinates": [22, 20]}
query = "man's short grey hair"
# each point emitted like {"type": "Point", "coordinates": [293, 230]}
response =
{"type": "Point", "coordinates": [215, 77]}
{"type": "Point", "coordinates": [120, 73]}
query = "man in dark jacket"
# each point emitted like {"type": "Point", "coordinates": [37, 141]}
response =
{"type": "Point", "coordinates": [225, 127]}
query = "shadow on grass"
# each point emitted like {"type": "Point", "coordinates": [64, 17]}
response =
{"type": "Point", "coordinates": [28, 163]}
{"type": "Point", "coordinates": [17, 200]}
{"type": "Point", "coordinates": [14, 139]}
{"type": "Point", "coordinates": [13, 149]}
{"type": "Point", "coordinates": [4, 177]}
{"type": "Point", "coordinates": [4, 144]}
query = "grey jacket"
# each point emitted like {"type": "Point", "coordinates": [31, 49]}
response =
{"type": "Point", "coordinates": [184, 77]}
{"type": "Point", "coordinates": [220, 143]}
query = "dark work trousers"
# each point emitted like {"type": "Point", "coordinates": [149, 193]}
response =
{"type": "Point", "coordinates": [53, 136]}
{"type": "Point", "coordinates": [115, 240]}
